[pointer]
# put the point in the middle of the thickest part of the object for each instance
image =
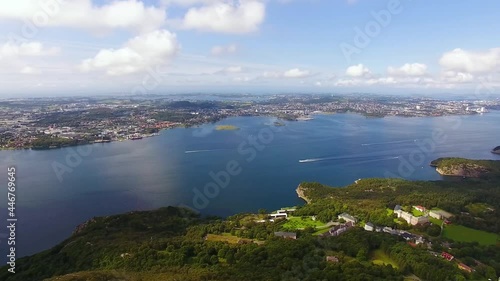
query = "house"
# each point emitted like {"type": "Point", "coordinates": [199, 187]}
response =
{"type": "Point", "coordinates": [440, 214]}
{"type": "Point", "coordinates": [287, 235]}
{"type": "Point", "coordinates": [410, 218]}
{"type": "Point", "coordinates": [407, 236]}
{"type": "Point", "coordinates": [332, 259]}
{"type": "Point", "coordinates": [397, 208]}
{"type": "Point", "coordinates": [465, 267]}
{"type": "Point", "coordinates": [369, 226]}
{"type": "Point", "coordinates": [388, 230]}
{"type": "Point", "coordinates": [419, 220]}
{"type": "Point", "coordinates": [420, 208]}
{"type": "Point", "coordinates": [339, 229]}
{"type": "Point", "coordinates": [447, 256]}
{"type": "Point", "coordinates": [279, 215]}
{"type": "Point", "coordinates": [347, 217]}
{"type": "Point", "coordinates": [419, 240]}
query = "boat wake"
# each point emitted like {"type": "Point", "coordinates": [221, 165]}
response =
{"type": "Point", "coordinates": [390, 142]}
{"type": "Point", "coordinates": [199, 151]}
{"type": "Point", "coordinates": [347, 158]}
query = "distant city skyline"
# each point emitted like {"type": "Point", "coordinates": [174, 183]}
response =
{"type": "Point", "coordinates": [89, 47]}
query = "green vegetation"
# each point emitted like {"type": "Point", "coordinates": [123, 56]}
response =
{"type": "Point", "coordinates": [416, 212]}
{"type": "Point", "coordinates": [466, 167]}
{"type": "Point", "coordinates": [296, 223]}
{"type": "Point", "coordinates": [226, 128]}
{"type": "Point", "coordinates": [461, 233]}
{"type": "Point", "coordinates": [379, 257]}
{"type": "Point", "coordinates": [477, 209]}
{"type": "Point", "coordinates": [227, 237]}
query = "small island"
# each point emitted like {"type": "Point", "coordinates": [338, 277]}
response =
{"type": "Point", "coordinates": [278, 124]}
{"type": "Point", "coordinates": [467, 168]}
{"type": "Point", "coordinates": [226, 128]}
{"type": "Point", "coordinates": [496, 150]}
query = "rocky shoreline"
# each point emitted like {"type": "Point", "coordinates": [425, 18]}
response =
{"type": "Point", "coordinates": [300, 193]}
{"type": "Point", "coordinates": [496, 150]}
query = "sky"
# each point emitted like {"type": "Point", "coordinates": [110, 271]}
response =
{"type": "Point", "coordinates": [91, 47]}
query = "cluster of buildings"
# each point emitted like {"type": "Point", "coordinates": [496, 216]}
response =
{"type": "Point", "coordinates": [449, 257]}
{"type": "Point", "coordinates": [410, 218]}
{"type": "Point", "coordinates": [280, 214]}
{"type": "Point", "coordinates": [21, 120]}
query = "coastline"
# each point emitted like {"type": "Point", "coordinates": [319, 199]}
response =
{"type": "Point", "coordinates": [300, 193]}
{"type": "Point", "coordinates": [293, 119]}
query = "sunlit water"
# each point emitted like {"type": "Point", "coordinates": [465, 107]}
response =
{"type": "Point", "coordinates": [172, 168]}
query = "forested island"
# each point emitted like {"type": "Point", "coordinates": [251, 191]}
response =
{"type": "Point", "coordinates": [374, 229]}
{"type": "Point", "coordinates": [466, 168]}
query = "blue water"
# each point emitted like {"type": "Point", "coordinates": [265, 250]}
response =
{"type": "Point", "coordinates": [164, 170]}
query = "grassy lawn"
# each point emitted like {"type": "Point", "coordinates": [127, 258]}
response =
{"type": "Point", "coordinates": [461, 233]}
{"type": "Point", "coordinates": [226, 237]}
{"type": "Point", "coordinates": [378, 257]}
{"type": "Point", "coordinates": [435, 221]}
{"type": "Point", "coordinates": [416, 212]}
{"type": "Point", "coordinates": [321, 231]}
{"type": "Point", "coordinates": [294, 223]}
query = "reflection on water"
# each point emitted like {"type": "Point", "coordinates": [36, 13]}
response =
{"type": "Point", "coordinates": [164, 170]}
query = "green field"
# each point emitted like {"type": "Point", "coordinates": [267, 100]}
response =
{"type": "Point", "coordinates": [226, 237]}
{"type": "Point", "coordinates": [321, 231]}
{"type": "Point", "coordinates": [295, 223]}
{"type": "Point", "coordinates": [435, 221]}
{"type": "Point", "coordinates": [378, 257]}
{"type": "Point", "coordinates": [416, 212]}
{"type": "Point", "coordinates": [226, 128]}
{"type": "Point", "coordinates": [461, 233]}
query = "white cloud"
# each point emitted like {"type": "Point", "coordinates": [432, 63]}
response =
{"type": "Point", "coordinates": [26, 49]}
{"type": "Point", "coordinates": [222, 50]}
{"type": "Point", "coordinates": [127, 14]}
{"type": "Point", "coordinates": [296, 73]}
{"type": "Point", "coordinates": [30, 70]}
{"type": "Point", "coordinates": [233, 69]}
{"type": "Point", "coordinates": [188, 3]}
{"type": "Point", "coordinates": [457, 77]}
{"type": "Point", "coordinates": [413, 69]}
{"type": "Point", "coordinates": [475, 62]}
{"type": "Point", "coordinates": [357, 71]}
{"type": "Point", "coordinates": [241, 16]}
{"type": "Point", "coordinates": [136, 55]}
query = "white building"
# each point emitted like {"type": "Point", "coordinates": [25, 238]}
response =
{"type": "Point", "coordinates": [347, 218]}
{"type": "Point", "coordinates": [410, 218]}
{"type": "Point", "coordinates": [369, 226]}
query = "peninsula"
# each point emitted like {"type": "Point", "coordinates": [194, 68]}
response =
{"type": "Point", "coordinates": [496, 150]}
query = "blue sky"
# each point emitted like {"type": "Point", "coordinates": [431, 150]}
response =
{"type": "Point", "coordinates": [270, 46]}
